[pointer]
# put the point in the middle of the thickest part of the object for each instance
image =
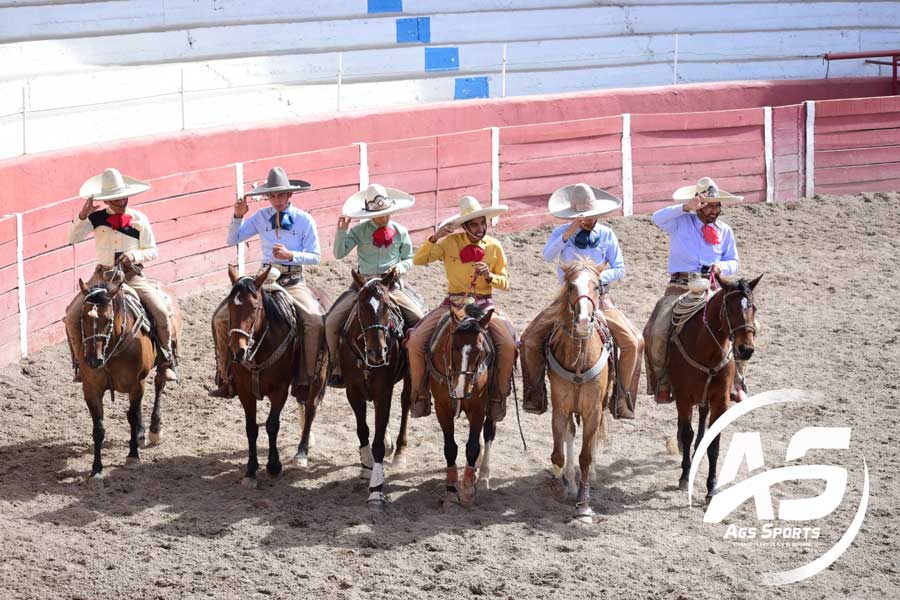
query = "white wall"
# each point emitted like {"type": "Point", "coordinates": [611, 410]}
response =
{"type": "Point", "coordinates": [103, 70]}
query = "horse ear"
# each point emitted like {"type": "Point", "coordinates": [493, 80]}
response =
{"type": "Point", "coordinates": [390, 278]}
{"type": "Point", "coordinates": [84, 289]}
{"type": "Point", "coordinates": [261, 277]}
{"type": "Point", "coordinates": [755, 281]}
{"type": "Point", "coordinates": [487, 317]}
{"type": "Point", "coordinates": [358, 279]}
{"type": "Point", "coordinates": [233, 274]}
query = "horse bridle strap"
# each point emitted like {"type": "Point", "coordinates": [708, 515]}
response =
{"type": "Point", "coordinates": [710, 372]}
{"type": "Point", "coordinates": [572, 377]}
{"type": "Point", "coordinates": [125, 337]}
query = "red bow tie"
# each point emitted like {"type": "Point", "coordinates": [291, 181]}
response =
{"type": "Point", "coordinates": [471, 253]}
{"type": "Point", "coordinates": [118, 222]}
{"type": "Point", "coordinates": [710, 234]}
{"type": "Point", "coordinates": [383, 236]}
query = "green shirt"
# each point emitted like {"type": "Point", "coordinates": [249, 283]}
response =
{"type": "Point", "coordinates": [372, 259]}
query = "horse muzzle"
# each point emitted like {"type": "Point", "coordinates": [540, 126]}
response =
{"type": "Point", "coordinates": [743, 352]}
{"type": "Point", "coordinates": [94, 362]}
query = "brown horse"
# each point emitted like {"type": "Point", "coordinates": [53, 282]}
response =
{"type": "Point", "coordinates": [701, 366]}
{"type": "Point", "coordinates": [373, 360]}
{"type": "Point", "coordinates": [459, 361]}
{"type": "Point", "coordinates": [578, 353]}
{"type": "Point", "coordinates": [264, 343]}
{"type": "Point", "coordinates": [118, 355]}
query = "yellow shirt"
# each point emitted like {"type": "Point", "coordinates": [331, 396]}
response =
{"type": "Point", "coordinates": [459, 274]}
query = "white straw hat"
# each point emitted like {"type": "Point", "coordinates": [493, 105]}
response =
{"type": "Point", "coordinates": [470, 208]}
{"type": "Point", "coordinates": [713, 192]}
{"type": "Point", "coordinates": [581, 200]}
{"type": "Point", "coordinates": [112, 185]}
{"type": "Point", "coordinates": [376, 201]}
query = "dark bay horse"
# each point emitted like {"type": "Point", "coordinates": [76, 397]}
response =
{"type": "Point", "coordinates": [701, 365]}
{"type": "Point", "coordinates": [118, 355]}
{"type": "Point", "coordinates": [460, 357]}
{"type": "Point", "coordinates": [373, 360]}
{"type": "Point", "coordinates": [578, 353]}
{"type": "Point", "coordinates": [264, 342]}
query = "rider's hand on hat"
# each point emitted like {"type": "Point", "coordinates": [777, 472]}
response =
{"type": "Point", "coordinates": [574, 227]}
{"type": "Point", "coordinates": [88, 208]}
{"type": "Point", "coordinates": [442, 232]}
{"type": "Point", "coordinates": [343, 223]}
{"type": "Point", "coordinates": [241, 208]}
{"type": "Point", "coordinates": [482, 269]}
{"type": "Point", "coordinates": [281, 252]}
{"type": "Point", "coordinates": [695, 203]}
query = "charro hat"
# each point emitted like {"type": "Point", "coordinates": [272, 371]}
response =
{"type": "Point", "coordinates": [112, 185]}
{"type": "Point", "coordinates": [470, 208]}
{"type": "Point", "coordinates": [376, 201]}
{"type": "Point", "coordinates": [278, 182]}
{"type": "Point", "coordinates": [713, 192]}
{"type": "Point", "coordinates": [581, 200]}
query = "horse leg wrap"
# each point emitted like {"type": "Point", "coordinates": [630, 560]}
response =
{"type": "Point", "coordinates": [376, 481]}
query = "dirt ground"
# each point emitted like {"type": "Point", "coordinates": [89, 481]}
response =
{"type": "Point", "coordinates": [179, 525]}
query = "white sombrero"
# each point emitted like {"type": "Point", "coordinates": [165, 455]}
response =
{"type": "Point", "coordinates": [713, 192]}
{"type": "Point", "coordinates": [278, 182]}
{"type": "Point", "coordinates": [112, 185]}
{"type": "Point", "coordinates": [470, 208]}
{"type": "Point", "coordinates": [581, 200]}
{"type": "Point", "coordinates": [376, 201]}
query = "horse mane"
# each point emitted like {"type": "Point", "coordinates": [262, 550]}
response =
{"type": "Point", "coordinates": [277, 312]}
{"type": "Point", "coordinates": [737, 285]}
{"type": "Point", "coordinates": [569, 271]}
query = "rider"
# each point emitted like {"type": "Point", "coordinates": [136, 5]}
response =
{"type": "Point", "coordinates": [475, 264]}
{"type": "Point", "coordinates": [381, 244]}
{"type": "Point", "coordinates": [123, 238]}
{"type": "Point", "coordinates": [700, 245]}
{"type": "Point", "coordinates": [585, 237]}
{"type": "Point", "coordinates": [289, 241]}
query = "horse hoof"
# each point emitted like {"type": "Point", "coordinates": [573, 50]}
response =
{"type": "Point", "coordinates": [376, 502]}
{"type": "Point", "coordinates": [709, 495]}
{"type": "Point", "coordinates": [249, 483]}
{"type": "Point", "coordinates": [143, 442]}
{"type": "Point", "coordinates": [484, 483]}
{"type": "Point", "coordinates": [155, 438]}
{"type": "Point", "coordinates": [132, 461]}
{"type": "Point", "coordinates": [300, 460]}
{"type": "Point", "coordinates": [276, 474]}
{"type": "Point", "coordinates": [365, 473]}
{"type": "Point", "coordinates": [97, 481]}
{"type": "Point", "coordinates": [450, 501]}
{"type": "Point", "coordinates": [399, 461]}
{"type": "Point", "coordinates": [683, 485]}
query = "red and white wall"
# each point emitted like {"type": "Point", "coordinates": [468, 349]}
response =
{"type": "Point", "coordinates": [767, 141]}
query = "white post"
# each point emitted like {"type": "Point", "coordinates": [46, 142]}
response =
{"type": "Point", "coordinates": [495, 170]}
{"type": "Point", "coordinates": [20, 271]}
{"type": "Point", "coordinates": [239, 184]}
{"type": "Point", "coordinates": [675, 65]}
{"type": "Point", "coordinates": [183, 121]}
{"type": "Point", "coordinates": [363, 165]}
{"type": "Point", "coordinates": [503, 74]}
{"type": "Point", "coordinates": [627, 174]}
{"type": "Point", "coordinates": [770, 155]}
{"type": "Point", "coordinates": [810, 149]}
{"type": "Point", "coordinates": [24, 120]}
{"type": "Point", "coordinates": [340, 78]}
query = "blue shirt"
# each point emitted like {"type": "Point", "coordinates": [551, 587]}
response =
{"type": "Point", "coordinates": [607, 251]}
{"type": "Point", "coordinates": [688, 251]}
{"type": "Point", "coordinates": [302, 239]}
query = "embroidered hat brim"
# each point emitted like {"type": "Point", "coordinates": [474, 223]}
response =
{"type": "Point", "coordinates": [560, 203]}
{"type": "Point", "coordinates": [355, 206]}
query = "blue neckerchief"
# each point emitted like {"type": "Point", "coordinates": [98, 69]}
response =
{"type": "Point", "coordinates": [586, 239]}
{"type": "Point", "coordinates": [286, 221]}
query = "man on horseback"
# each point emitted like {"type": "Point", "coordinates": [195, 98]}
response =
{"type": "Point", "coordinates": [584, 237]}
{"type": "Point", "coordinates": [475, 265]}
{"type": "Point", "coordinates": [289, 241]}
{"type": "Point", "coordinates": [124, 240]}
{"type": "Point", "coordinates": [700, 246]}
{"type": "Point", "coordinates": [381, 244]}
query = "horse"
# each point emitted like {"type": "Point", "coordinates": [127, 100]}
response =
{"type": "Point", "coordinates": [459, 361]}
{"type": "Point", "coordinates": [118, 355]}
{"type": "Point", "coordinates": [578, 353]}
{"type": "Point", "coordinates": [264, 342]}
{"type": "Point", "coordinates": [701, 368]}
{"type": "Point", "coordinates": [373, 359]}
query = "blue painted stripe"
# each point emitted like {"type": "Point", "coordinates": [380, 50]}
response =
{"type": "Point", "coordinates": [425, 30]}
{"type": "Point", "coordinates": [385, 6]}
{"type": "Point", "coordinates": [441, 59]}
{"type": "Point", "coordinates": [407, 30]}
{"type": "Point", "coordinates": [470, 87]}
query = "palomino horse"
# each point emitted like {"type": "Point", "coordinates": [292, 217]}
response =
{"type": "Point", "coordinates": [459, 361]}
{"type": "Point", "coordinates": [118, 355]}
{"type": "Point", "coordinates": [373, 360]}
{"type": "Point", "coordinates": [701, 368]}
{"type": "Point", "coordinates": [264, 342]}
{"type": "Point", "coordinates": [578, 353]}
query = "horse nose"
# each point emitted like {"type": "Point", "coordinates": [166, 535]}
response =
{"type": "Point", "coordinates": [744, 352]}
{"type": "Point", "coordinates": [239, 355]}
{"type": "Point", "coordinates": [93, 362]}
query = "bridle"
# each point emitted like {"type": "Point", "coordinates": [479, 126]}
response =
{"type": "Point", "coordinates": [118, 307]}
{"type": "Point", "coordinates": [483, 345]}
{"type": "Point", "coordinates": [392, 330]}
{"type": "Point", "coordinates": [253, 345]}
